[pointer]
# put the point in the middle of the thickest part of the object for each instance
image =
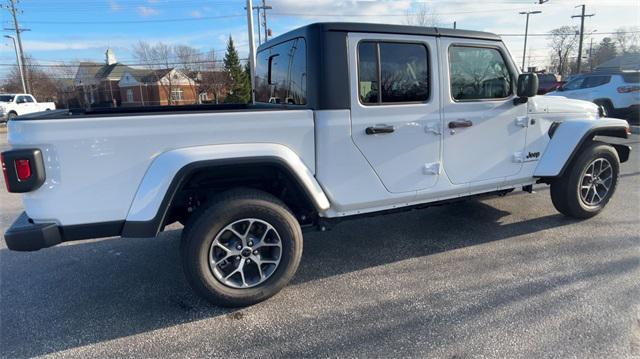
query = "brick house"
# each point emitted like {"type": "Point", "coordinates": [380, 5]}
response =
{"type": "Point", "coordinates": [157, 88]}
{"type": "Point", "coordinates": [97, 83]}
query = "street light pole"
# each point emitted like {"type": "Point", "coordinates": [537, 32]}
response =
{"type": "Point", "coordinates": [526, 33]}
{"type": "Point", "coordinates": [15, 47]}
{"type": "Point", "coordinates": [252, 50]}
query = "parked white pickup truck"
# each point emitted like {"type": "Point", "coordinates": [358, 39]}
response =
{"type": "Point", "coordinates": [378, 118]}
{"type": "Point", "coordinates": [14, 105]}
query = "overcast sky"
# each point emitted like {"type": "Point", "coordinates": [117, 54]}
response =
{"type": "Point", "coordinates": [64, 30]}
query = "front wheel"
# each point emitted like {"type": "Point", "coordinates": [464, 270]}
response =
{"type": "Point", "coordinates": [588, 183]}
{"type": "Point", "coordinates": [242, 249]}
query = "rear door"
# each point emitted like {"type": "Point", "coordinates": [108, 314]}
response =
{"type": "Point", "coordinates": [486, 131]}
{"type": "Point", "coordinates": [395, 108]}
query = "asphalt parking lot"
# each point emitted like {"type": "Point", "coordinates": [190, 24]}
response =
{"type": "Point", "coordinates": [501, 277]}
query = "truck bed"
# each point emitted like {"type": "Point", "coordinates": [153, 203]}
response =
{"type": "Point", "coordinates": [95, 161]}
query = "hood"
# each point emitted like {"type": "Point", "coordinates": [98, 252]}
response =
{"type": "Point", "coordinates": [561, 104]}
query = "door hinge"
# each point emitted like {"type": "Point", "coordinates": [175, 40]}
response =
{"type": "Point", "coordinates": [432, 168]}
{"type": "Point", "coordinates": [522, 121]}
{"type": "Point", "coordinates": [518, 157]}
{"type": "Point", "coordinates": [433, 128]}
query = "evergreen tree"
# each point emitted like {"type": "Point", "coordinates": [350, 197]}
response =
{"type": "Point", "coordinates": [604, 51]}
{"type": "Point", "coordinates": [240, 91]}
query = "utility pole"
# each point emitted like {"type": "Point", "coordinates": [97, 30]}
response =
{"type": "Point", "coordinates": [526, 33]}
{"type": "Point", "coordinates": [264, 8]}
{"type": "Point", "coordinates": [12, 9]}
{"type": "Point", "coordinates": [252, 50]}
{"type": "Point", "coordinates": [455, 24]}
{"type": "Point", "coordinates": [259, 31]}
{"type": "Point", "coordinates": [582, 16]}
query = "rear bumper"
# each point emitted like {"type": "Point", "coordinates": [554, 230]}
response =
{"type": "Point", "coordinates": [25, 236]}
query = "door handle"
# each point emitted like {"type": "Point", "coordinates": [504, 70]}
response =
{"type": "Point", "coordinates": [460, 124]}
{"type": "Point", "coordinates": [378, 129]}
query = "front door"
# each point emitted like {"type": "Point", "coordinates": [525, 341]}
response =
{"type": "Point", "coordinates": [395, 108]}
{"type": "Point", "coordinates": [485, 131]}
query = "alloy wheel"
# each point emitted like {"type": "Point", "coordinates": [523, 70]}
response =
{"type": "Point", "coordinates": [245, 253]}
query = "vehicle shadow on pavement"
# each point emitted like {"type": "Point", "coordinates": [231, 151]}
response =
{"type": "Point", "coordinates": [88, 292]}
{"type": "Point", "coordinates": [374, 241]}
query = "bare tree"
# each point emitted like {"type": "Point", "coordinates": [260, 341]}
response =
{"type": "Point", "coordinates": [192, 63]}
{"type": "Point", "coordinates": [157, 58]}
{"type": "Point", "coordinates": [627, 39]}
{"type": "Point", "coordinates": [421, 15]}
{"type": "Point", "coordinates": [563, 43]}
{"type": "Point", "coordinates": [63, 77]}
{"type": "Point", "coordinates": [213, 79]}
{"type": "Point", "coordinates": [39, 76]}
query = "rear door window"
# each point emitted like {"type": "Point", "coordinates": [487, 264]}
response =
{"type": "Point", "coordinates": [392, 72]}
{"type": "Point", "coordinates": [631, 77]}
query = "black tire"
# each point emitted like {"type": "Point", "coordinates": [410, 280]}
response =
{"type": "Point", "coordinates": [203, 227]}
{"type": "Point", "coordinates": [565, 191]}
{"type": "Point", "coordinates": [11, 116]}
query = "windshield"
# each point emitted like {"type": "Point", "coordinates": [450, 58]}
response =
{"type": "Point", "coordinates": [6, 98]}
{"type": "Point", "coordinates": [548, 78]}
{"type": "Point", "coordinates": [573, 84]}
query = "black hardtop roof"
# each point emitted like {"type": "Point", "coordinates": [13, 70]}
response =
{"type": "Point", "coordinates": [382, 29]}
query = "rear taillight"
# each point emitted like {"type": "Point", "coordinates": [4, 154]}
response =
{"type": "Point", "coordinates": [23, 169]}
{"type": "Point", "coordinates": [4, 171]}
{"type": "Point", "coordinates": [628, 89]}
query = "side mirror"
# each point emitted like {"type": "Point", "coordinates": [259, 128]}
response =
{"type": "Point", "coordinates": [527, 85]}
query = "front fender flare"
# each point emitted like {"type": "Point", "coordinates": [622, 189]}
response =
{"type": "Point", "coordinates": [568, 139]}
{"type": "Point", "coordinates": [168, 170]}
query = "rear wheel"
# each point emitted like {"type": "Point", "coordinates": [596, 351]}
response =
{"type": "Point", "coordinates": [242, 249]}
{"type": "Point", "coordinates": [588, 183]}
{"type": "Point", "coordinates": [11, 115]}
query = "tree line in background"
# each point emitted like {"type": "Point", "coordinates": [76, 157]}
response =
{"type": "Point", "coordinates": [226, 78]}
{"type": "Point", "coordinates": [564, 47]}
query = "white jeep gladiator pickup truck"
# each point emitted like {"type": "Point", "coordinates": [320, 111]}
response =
{"type": "Point", "coordinates": [14, 105]}
{"type": "Point", "coordinates": [372, 119]}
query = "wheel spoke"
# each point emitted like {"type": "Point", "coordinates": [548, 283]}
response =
{"type": "Point", "coordinates": [595, 190]}
{"type": "Point", "coordinates": [223, 247]}
{"type": "Point", "coordinates": [235, 233]}
{"type": "Point", "coordinates": [259, 265]}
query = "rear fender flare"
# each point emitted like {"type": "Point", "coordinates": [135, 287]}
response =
{"type": "Point", "coordinates": [168, 171]}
